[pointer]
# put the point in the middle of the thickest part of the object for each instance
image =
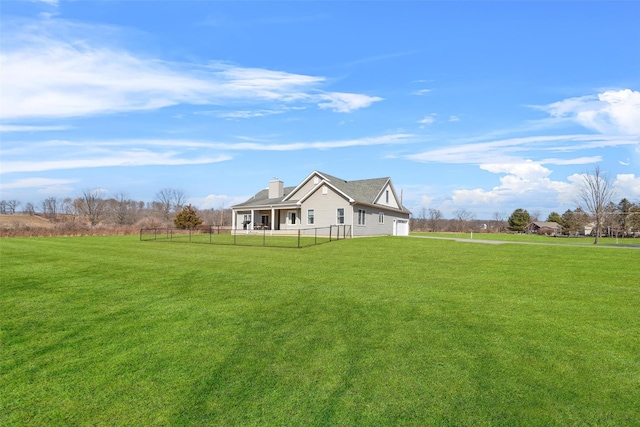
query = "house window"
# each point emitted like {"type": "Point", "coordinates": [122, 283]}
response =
{"type": "Point", "coordinates": [292, 217]}
{"type": "Point", "coordinates": [380, 217]}
{"type": "Point", "coordinates": [316, 180]}
{"type": "Point", "coordinates": [324, 191]}
{"type": "Point", "coordinates": [387, 196]}
{"type": "Point", "coordinates": [361, 216]}
{"type": "Point", "coordinates": [310, 217]}
{"type": "Point", "coordinates": [340, 216]}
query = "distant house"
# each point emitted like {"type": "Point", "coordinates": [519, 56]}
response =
{"type": "Point", "coordinates": [543, 227]}
{"type": "Point", "coordinates": [368, 207]}
{"type": "Point", "coordinates": [587, 229]}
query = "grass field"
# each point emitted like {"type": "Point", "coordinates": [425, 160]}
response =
{"type": "Point", "coordinates": [375, 331]}
{"type": "Point", "coordinates": [541, 239]}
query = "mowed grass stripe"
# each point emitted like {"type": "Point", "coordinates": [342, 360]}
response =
{"type": "Point", "coordinates": [376, 331]}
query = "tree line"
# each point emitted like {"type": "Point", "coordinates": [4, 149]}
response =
{"type": "Point", "coordinates": [621, 219]}
{"type": "Point", "coordinates": [92, 208]}
{"type": "Point", "coordinates": [596, 210]}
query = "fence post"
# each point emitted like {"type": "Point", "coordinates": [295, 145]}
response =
{"type": "Point", "coordinates": [190, 234]}
{"type": "Point", "coordinates": [264, 237]}
{"type": "Point", "coordinates": [299, 239]}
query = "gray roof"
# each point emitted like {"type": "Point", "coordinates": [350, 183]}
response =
{"type": "Point", "coordinates": [362, 191]}
{"type": "Point", "coordinates": [262, 198]}
{"type": "Point", "coordinates": [546, 224]}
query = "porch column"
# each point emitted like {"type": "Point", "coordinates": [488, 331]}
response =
{"type": "Point", "coordinates": [253, 219]}
{"type": "Point", "coordinates": [273, 218]}
{"type": "Point", "coordinates": [234, 214]}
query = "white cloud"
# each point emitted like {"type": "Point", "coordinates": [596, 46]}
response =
{"type": "Point", "coordinates": [216, 201]}
{"type": "Point", "coordinates": [55, 155]}
{"type": "Point", "coordinates": [426, 201]}
{"type": "Point", "coordinates": [514, 150]}
{"type": "Point", "coordinates": [421, 92]}
{"type": "Point", "coordinates": [36, 182]}
{"type": "Point", "coordinates": [248, 114]}
{"type": "Point", "coordinates": [27, 128]}
{"type": "Point", "coordinates": [628, 186]}
{"type": "Point", "coordinates": [427, 120]}
{"type": "Point", "coordinates": [345, 102]}
{"type": "Point", "coordinates": [528, 171]}
{"type": "Point", "coordinates": [57, 69]}
{"type": "Point", "coordinates": [519, 180]}
{"type": "Point", "coordinates": [575, 161]}
{"type": "Point", "coordinates": [474, 197]}
{"type": "Point", "coordinates": [613, 111]}
{"type": "Point", "coordinates": [454, 118]}
{"type": "Point", "coordinates": [124, 158]}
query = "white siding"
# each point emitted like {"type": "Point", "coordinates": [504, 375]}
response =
{"type": "Point", "coordinates": [325, 208]}
{"type": "Point", "coordinates": [304, 189]}
{"type": "Point", "coordinates": [382, 199]}
{"type": "Point", "coordinates": [372, 226]}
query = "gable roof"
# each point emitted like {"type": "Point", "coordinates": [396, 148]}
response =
{"type": "Point", "coordinates": [362, 191]}
{"type": "Point", "coordinates": [261, 198]}
{"type": "Point", "coordinates": [546, 224]}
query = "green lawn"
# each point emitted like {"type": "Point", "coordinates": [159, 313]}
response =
{"type": "Point", "coordinates": [373, 331]}
{"type": "Point", "coordinates": [534, 238]}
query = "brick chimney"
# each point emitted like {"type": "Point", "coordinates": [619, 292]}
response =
{"type": "Point", "coordinates": [276, 189]}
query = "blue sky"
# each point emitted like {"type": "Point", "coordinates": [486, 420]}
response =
{"type": "Point", "coordinates": [482, 106]}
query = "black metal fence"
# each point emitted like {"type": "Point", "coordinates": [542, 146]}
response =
{"type": "Point", "coordinates": [225, 236]}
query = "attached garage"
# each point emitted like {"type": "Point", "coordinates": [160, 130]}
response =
{"type": "Point", "coordinates": [400, 227]}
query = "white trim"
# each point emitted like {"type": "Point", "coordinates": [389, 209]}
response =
{"type": "Point", "coordinates": [328, 184]}
{"type": "Point", "coordinates": [307, 179]}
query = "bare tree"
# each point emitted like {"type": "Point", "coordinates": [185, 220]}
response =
{"type": "Point", "coordinates": [595, 194]}
{"type": "Point", "coordinates": [123, 209]}
{"type": "Point", "coordinates": [498, 221]}
{"type": "Point", "coordinates": [91, 205]}
{"type": "Point", "coordinates": [9, 206]}
{"type": "Point", "coordinates": [50, 208]}
{"type": "Point", "coordinates": [169, 201]}
{"type": "Point", "coordinates": [534, 216]}
{"type": "Point", "coordinates": [462, 217]}
{"type": "Point", "coordinates": [68, 208]}
{"type": "Point", "coordinates": [179, 200]}
{"type": "Point", "coordinates": [29, 209]}
{"type": "Point", "coordinates": [435, 217]}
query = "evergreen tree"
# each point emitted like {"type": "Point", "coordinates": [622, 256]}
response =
{"type": "Point", "coordinates": [555, 217]}
{"type": "Point", "coordinates": [187, 218]}
{"type": "Point", "coordinates": [519, 219]}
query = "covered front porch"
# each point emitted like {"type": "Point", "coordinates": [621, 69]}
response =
{"type": "Point", "coordinates": [266, 219]}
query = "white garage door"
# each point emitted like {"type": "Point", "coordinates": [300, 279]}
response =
{"type": "Point", "coordinates": [400, 227]}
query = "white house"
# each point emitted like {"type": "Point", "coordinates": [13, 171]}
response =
{"type": "Point", "coordinates": [368, 207]}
